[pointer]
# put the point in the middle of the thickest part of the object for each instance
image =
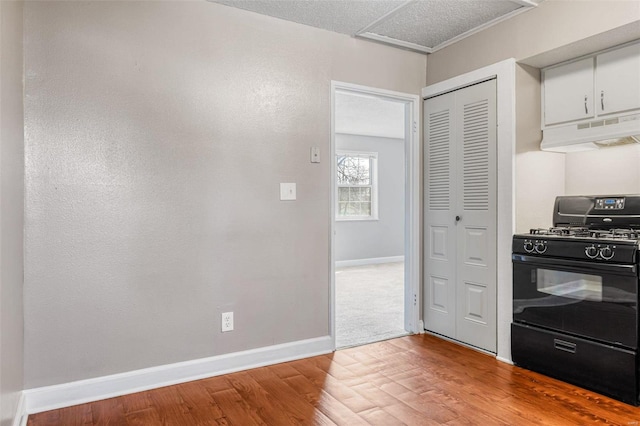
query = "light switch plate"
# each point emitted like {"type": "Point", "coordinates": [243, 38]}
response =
{"type": "Point", "coordinates": [315, 154]}
{"type": "Point", "coordinates": [287, 191]}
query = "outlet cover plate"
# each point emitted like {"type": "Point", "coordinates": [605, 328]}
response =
{"type": "Point", "coordinates": [227, 321]}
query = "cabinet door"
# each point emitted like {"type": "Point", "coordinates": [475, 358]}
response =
{"type": "Point", "coordinates": [618, 80]}
{"type": "Point", "coordinates": [568, 92]}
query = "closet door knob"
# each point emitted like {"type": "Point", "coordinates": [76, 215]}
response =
{"type": "Point", "coordinates": [458, 218]}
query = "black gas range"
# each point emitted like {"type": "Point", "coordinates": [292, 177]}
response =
{"type": "Point", "coordinates": [575, 295]}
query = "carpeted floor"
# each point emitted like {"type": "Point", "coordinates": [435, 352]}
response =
{"type": "Point", "coordinates": [369, 303]}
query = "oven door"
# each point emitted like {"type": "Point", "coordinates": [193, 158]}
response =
{"type": "Point", "coordinates": [588, 299]}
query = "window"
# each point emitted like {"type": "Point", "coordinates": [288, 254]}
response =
{"type": "Point", "coordinates": [357, 186]}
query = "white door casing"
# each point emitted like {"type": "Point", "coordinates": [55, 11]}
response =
{"type": "Point", "coordinates": [460, 215]}
{"type": "Point", "coordinates": [412, 322]}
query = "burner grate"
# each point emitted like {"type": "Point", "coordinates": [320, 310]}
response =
{"type": "Point", "coordinates": [584, 232]}
{"type": "Point", "coordinates": [570, 231]}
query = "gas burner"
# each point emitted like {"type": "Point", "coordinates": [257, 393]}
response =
{"type": "Point", "coordinates": [620, 234]}
{"type": "Point", "coordinates": [567, 231]}
{"type": "Point", "coordinates": [539, 231]}
{"type": "Point", "coordinates": [616, 234]}
{"type": "Point", "coordinates": [584, 232]}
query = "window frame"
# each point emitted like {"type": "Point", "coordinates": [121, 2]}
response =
{"type": "Point", "coordinates": [373, 170]}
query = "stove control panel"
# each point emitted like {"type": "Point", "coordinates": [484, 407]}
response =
{"type": "Point", "coordinates": [535, 246]}
{"type": "Point", "coordinates": [591, 251]}
{"type": "Point", "coordinates": [540, 246]}
{"type": "Point", "coordinates": [610, 203]}
{"type": "Point", "coordinates": [588, 249]}
{"type": "Point", "coordinates": [600, 251]}
{"type": "Point", "coordinates": [607, 252]}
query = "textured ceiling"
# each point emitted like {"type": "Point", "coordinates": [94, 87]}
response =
{"type": "Point", "coordinates": [430, 23]}
{"type": "Point", "coordinates": [421, 25]}
{"type": "Point", "coordinates": [347, 17]}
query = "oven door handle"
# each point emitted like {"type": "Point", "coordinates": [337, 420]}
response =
{"type": "Point", "coordinates": [615, 268]}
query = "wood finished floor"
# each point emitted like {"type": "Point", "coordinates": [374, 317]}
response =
{"type": "Point", "coordinates": [413, 380]}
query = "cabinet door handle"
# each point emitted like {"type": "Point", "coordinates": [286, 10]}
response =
{"type": "Point", "coordinates": [602, 99]}
{"type": "Point", "coordinates": [586, 110]}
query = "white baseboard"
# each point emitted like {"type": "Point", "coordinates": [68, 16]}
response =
{"type": "Point", "coordinates": [505, 360]}
{"type": "Point", "coordinates": [20, 417]}
{"type": "Point", "coordinates": [371, 261]}
{"type": "Point", "coordinates": [83, 391]}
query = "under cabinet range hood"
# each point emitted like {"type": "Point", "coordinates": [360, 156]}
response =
{"type": "Point", "coordinates": [600, 133]}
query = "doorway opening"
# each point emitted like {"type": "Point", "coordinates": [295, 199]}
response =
{"type": "Point", "coordinates": [374, 215]}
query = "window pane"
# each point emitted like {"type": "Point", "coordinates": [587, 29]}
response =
{"type": "Point", "coordinates": [366, 194]}
{"type": "Point", "coordinates": [353, 209]}
{"type": "Point", "coordinates": [353, 170]}
{"type": "Point", "coordinates": [364, 171]}
{"type": "Point", "coordinates": [342, 208]}
{"type": "Point", "coordinates": [365, 209]}
{"type": "Point", "coordinates": [354, 194]}
{"type": "Point", "coordinates": [343, 194]}
{"type": "Point", "coordinates": [342, 170]}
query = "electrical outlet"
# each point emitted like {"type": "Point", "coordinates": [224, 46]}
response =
{"type": "Point", "coordinates": [227, 321]}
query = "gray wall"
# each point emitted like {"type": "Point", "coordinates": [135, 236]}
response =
{"type": "Point", "coordinates": [383, 237]}
{"type": "Point", "coordinates": [11, 209]}
{"type": "Point", "coordinates": [156, 136]}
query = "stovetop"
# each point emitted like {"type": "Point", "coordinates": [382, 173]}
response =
{"type": "Point", "coordinates": [580, 243]}
{"type": "Point", "coordinates": [589, 228]}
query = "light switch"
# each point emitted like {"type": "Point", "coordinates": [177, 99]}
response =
{"type": "Point", "coordinates": [315, 154]}
{"type": "Point", "coordinates": [287, 191]}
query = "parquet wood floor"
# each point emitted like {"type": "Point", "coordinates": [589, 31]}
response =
{"type": "Point", "coordinates": [413, 380]}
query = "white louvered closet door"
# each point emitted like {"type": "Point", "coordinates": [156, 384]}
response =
{"type": "Point", "coordinates": [439, 222]}
{"type": "Point", "coordinates": [476, 230]}
{"type": "Point", "coordinates": [469, 222]}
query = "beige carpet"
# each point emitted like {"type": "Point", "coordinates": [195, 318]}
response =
{"type": "Point", "coordinates": [369, 303]}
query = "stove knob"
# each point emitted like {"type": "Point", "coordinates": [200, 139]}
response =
{"type": "Point", "coordinates": [591, 252]}
{"type": "Point", "coordinates": [606, 253]}
{"type": "Point", "coordinates": [528, 246]}
{"type": "Point", "coordinates": [540, 247]}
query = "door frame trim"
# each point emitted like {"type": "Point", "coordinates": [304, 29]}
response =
{"type": "Point", "coordinates": [412, 202]}
{"type": "Point", "coordinates": [505, 74]}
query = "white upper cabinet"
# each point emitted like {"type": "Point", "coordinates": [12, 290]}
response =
{"type": "Point", "coordinates": [568, 92]}
{"type": "Point", "coordinates": [599, 85]}
{"type": "Point", "coordinates": [618, 80]}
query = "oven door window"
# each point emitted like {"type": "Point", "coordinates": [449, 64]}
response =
{"type": "Point", "coordinates": [569, 284]}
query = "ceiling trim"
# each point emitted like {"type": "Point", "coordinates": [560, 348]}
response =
{"type": "Point", "coordinates": [396, 42]}
{"type": "Point", "coordinates": [484, 26]}
{"type": "Point", "coordinates": [384, 17]}
{"type": "Point", "coordinates": [527, 3]}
